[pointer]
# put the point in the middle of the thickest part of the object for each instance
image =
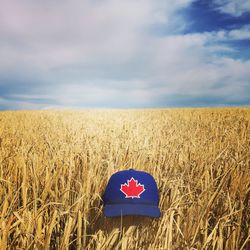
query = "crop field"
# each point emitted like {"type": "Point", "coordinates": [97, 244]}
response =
{"type": "Point", "coordinates": [54, 167]}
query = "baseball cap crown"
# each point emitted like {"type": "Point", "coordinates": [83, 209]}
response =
{"type": "Point", "coordinates": [131, 192]}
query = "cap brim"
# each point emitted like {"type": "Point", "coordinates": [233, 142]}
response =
{"type": "Point", "coordinates": [131, 209]}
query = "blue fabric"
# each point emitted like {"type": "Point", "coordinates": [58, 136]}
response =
{"type": "Point", "coordinates": [131, 209]}
{"type": "Point", "coordinates": [143, 202]}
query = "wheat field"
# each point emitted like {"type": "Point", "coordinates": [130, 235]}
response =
{"type": "Point", "coordinates": [54, 166]}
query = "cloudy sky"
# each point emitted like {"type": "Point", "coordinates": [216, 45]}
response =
{"type": "Point", "coordinates": [124, 53]}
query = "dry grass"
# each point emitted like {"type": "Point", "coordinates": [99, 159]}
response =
{"type": "Point", "coordinates": [54, 166]}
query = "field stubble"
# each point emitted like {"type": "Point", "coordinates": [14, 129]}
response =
{"type": "Point", "coordinates": [54, 166]}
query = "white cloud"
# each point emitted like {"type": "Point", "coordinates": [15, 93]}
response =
{"type": "Point", "coordinates": [97, 53]}
{"type": "Point", "coordinates": [6, 104]}
{"type": "Point", "coordinates": [240, 34]}
{"type": "Point", "coordinates": [57, 33]}
{"type": "Point", "coordinates": [233, 7]}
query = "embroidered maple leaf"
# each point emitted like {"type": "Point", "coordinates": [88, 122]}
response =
{"type": "Point", "coordinates": [132, 189]}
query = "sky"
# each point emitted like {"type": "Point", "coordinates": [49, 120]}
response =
{"type": "Point", "coordinates": [124, 53]}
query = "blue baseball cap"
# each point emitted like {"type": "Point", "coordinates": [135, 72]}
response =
{"type": "Point", "coordinates": [131, 192]}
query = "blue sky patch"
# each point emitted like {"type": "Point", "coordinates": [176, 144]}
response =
{"type": "Point", "coordinates": [204, 16]}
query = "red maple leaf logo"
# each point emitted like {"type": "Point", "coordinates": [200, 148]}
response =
{"type": "Point", "coordinates": [132, 189]}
